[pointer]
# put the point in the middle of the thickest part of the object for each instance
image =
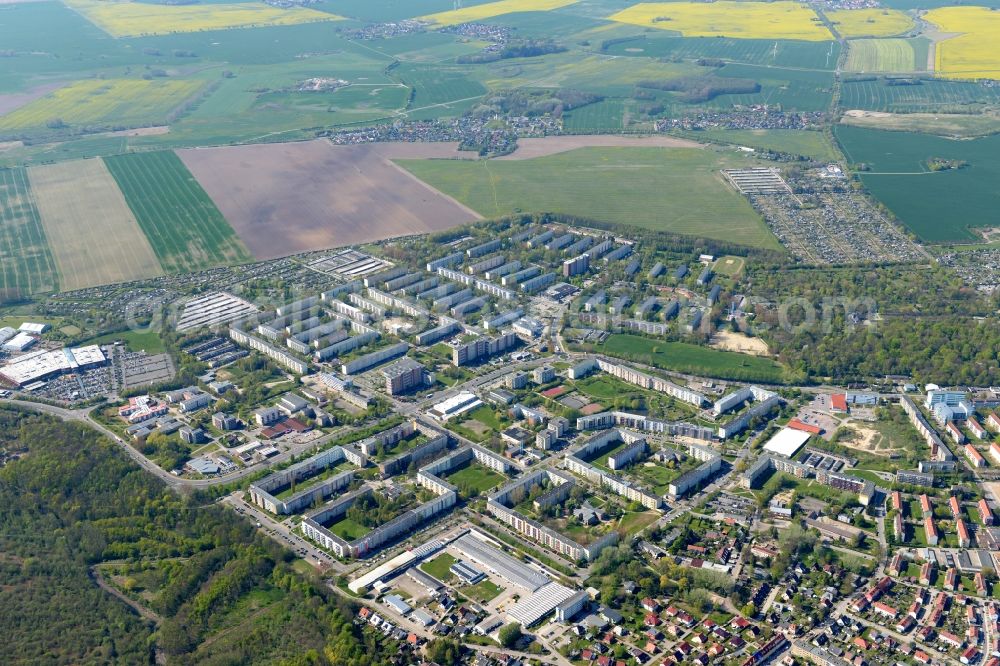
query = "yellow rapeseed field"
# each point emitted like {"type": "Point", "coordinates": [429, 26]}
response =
{"type": "Point", "coordinates": [131, 19]}
{"type": "Point", "coordinates": [747, 20]}
{"type": "Point", "coordinates": [870, 22]}
{"type": "Point", "coordinates": [973, 54]}
{"type": "Point", "coordinates": [126, 102]}
{"type": "Point", "coordinates": [491, 9]}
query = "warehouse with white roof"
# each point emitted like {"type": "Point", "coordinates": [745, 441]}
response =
{"type": "Point", "coordinates": [41, 365]}
{"type": "Point", "coordinates": [786, 442]}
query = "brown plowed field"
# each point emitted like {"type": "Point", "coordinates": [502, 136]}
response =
{"type": "Point", "coordinates": [286, 198]}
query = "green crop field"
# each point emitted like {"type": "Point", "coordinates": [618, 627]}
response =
{"type": "Point", "coordinates": [26, 264]}
{"type": "Point", "coordinates": [781, 53]}
{"type": "Point", "coordinates": [184, 227]}
{"type": "Point", "coordinates": [800, 90]}
{"type": "Point", "coordinates": [684, 357]}
{"type": "Point", "coordinates": [604, 115]}
{"type": "Point", "coordinates": [938, 206]}
{"type": "Point", "coordinates": [795, 142]}
{"type": "Point", "coordinates": [923, 95]}
{"type": "Point", "coordinates": [666, 189]}
{"type": "Point", "coordinates": [886, 55]}
{"type": "Point", "coordinates": [437, 84]}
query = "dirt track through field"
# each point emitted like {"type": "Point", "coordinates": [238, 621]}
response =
{"type": "Point", "coordinates": [288, 198]}
{"type": "Point", "coordinates": [92, 233]}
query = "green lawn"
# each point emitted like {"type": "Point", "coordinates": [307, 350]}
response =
{"type": "Point", "coordinates": [148, 341]}
{"type": "Point", "coordinates": [483, 591]}
{"type": "Point", "coordinates": [439, 567]}
{"type": "Point", "coordinates": [666, 189]}
{"type": "Point", "coordinates": [348, 530]}
{"type": "Point", "coordinates": [605, 387]}
{"type": "Point", "coordinates": [685, 357]}
{"type": "Point", "coordinates": [475, 477]}
{"type": "Point", "coordinates": [633, 522]}
{"type": "Point", "coordinates": [186, 230]}
{"type": "Point", "coordinates": [487, 417]}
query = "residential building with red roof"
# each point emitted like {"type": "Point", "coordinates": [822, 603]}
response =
{"type": "Point", "coordinates": [985, 512]}
{"type": "Point", "coordinates": [963, 534]}
{"type": "Point", "coordinates": [974, 456]}
{"type": "Point", "coordinates": [931, 531]}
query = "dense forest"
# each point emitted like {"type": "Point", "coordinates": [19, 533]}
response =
{"type": "Point", "coordinates": [859, 322]}
{"type": "Point", "coordinates": [74, 511]}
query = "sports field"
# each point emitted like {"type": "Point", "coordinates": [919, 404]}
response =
{"type": "Point", "coordinates": [750, 20]}
{"type": "Point", "coordinates": [972, 54]}
{"type": "Point", "coordinates": [886, 55]}
{"type": "Point", "coordinates": [26, 265]}
{"type": "Point", "coordinates": [117, 102]}
{"type": "Point", "coordinates": [491, 9]}
{"type": "Point", "coordinates": [186, 230]}
{"type": "Point", "coordinates": [684, 357]}
{"type": "Point", "coordinates": [667, 189]}
{"type": "Point", "coordinates": [135, 19]}
{"type": "Point", "coordinates": [870, 22]}
{"type": "Point", "coordinates": [93, 236]}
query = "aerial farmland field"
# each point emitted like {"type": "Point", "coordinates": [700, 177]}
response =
{"type": "Point", "coordinates": [939, 206]}
{"type": "Point", "coordinates": [917, 95]}
{"type": "Point", "coordinates": [93, 236]}
{"type": "Point", "coordinates": [794, 142]}
{"type": "Point", "coordinates": [972, 53]}
{"type": "Point", "coordinates": [133, 19]}
{"type": "Point", "coordinates": [491, 9]}
{"type": "Point", "coordinates": [26, 265]}
{"type": "Point", "coordinates": [886, 55]}
{"type": "Point", "coordinates": [678, 190]}
{"type": "Point", "coordinates": [186, 230]}
{"type": "Point", "coordinates": [114, 102]}
{"type": "Point", "coordinates": [870, 22]}
{"type": "Point", "coordinates": [752, 20]}
{"type": "Point", "coordinates": [294, 197]}
{"type": "Point", "coordinates": [788, 53]}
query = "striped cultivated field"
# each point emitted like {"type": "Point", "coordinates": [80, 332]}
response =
{"type": "Point", "coordinates": [186, 230]}
{"type": "Point", "coordinates": [93, 236]}
{"type": "Point", "coordinates": [26, 265]}
{"type": "Point", "coordinates": [883, 55]}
